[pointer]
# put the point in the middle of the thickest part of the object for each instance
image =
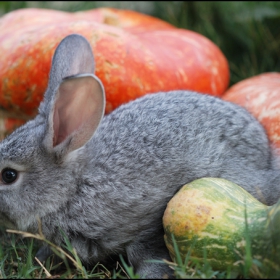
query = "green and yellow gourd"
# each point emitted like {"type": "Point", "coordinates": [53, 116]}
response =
{"type": "Point", "coordinates": [213, 211]}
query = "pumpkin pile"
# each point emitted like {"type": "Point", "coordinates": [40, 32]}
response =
{"type": "Point", "coordinates": [135, 54]}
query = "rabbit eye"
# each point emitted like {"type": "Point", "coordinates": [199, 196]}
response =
{"type": "Point", "coordinates": [9, 175]}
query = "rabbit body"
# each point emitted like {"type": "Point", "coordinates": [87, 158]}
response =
{"type": "Point", "coordinates": [108, 194]}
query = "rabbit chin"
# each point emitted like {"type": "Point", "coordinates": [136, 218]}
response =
{"type": "Point", "coordinates": [28, 224]}
{"type": "Point", "coordinates": [32, 222]}
{"type": "Point", "coordinates": [6, 222]}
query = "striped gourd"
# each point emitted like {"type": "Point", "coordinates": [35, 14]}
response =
{"type": "Point", "coordinates": [219, 213]}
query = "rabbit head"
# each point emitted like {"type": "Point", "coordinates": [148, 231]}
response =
{"type": "Point", "coordinates": [35, 159]}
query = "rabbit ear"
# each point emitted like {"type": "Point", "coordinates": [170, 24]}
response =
{"type": "Point", "coordinates": [72, 57]}
{"type": "Point", "coordinates": [74, 101]}
{"type": "Point", "coordinates": [77, 111]}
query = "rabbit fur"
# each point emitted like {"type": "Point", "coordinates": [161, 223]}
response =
{"type": "Point", "coordinates": [105, 181]}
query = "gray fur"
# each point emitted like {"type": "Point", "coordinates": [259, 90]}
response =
{"type": "Point", "coordinates": [110, 194]}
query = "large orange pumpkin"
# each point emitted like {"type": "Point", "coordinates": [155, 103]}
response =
{"type": "Point", "coordinates": [135, 54]}
{"type": "Point", "coordinates": [260, 95]}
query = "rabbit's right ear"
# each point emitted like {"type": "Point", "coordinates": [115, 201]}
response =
{"type": "Point", "coordinates": [74, 102]}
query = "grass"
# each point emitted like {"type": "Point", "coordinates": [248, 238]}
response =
{"type": "Point", "coordinates": [17, 262]}
{"type": "Point", "coordinates": [193, 268]}
{"type": "Point", "coordinates": [17, 251]}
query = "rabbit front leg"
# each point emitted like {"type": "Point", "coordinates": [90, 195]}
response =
{"type": "Point", "coordinates": [139, 255]}
{"type": "Point", "coordinates": [43, 253]}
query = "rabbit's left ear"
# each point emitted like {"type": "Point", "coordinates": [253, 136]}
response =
{"type": "Point", "coordinates": [76, 106]}
{"type": "Point", "coordinates": [77, 112]}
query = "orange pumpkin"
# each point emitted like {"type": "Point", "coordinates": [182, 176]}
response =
{"type": "Point", "coordinates": [260, 95]}
{"type": "Point", "coordinates": [135, 54]}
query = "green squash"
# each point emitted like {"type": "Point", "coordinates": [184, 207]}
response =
{"type": "Point", "coordinates": [218, 213]}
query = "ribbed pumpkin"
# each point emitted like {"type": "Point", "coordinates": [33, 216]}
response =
{"type": "Point", "coordinates": [260, 95]}
{"type": "Point", "coordinates": [135, 54]}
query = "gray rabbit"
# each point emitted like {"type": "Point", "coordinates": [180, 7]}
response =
{"type": "Point", "coordinates": [105, 181]}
